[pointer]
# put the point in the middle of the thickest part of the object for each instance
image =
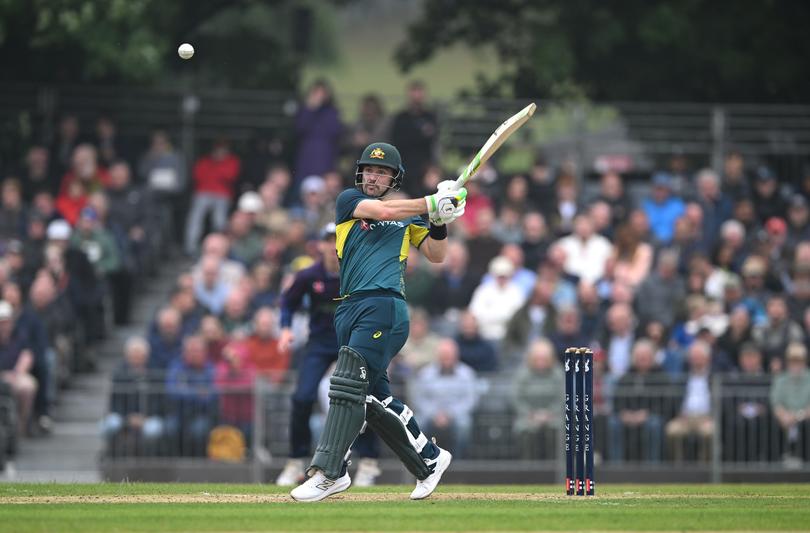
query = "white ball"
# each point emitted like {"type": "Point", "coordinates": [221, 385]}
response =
{"type": "Point", "coordinates": [185, 51]}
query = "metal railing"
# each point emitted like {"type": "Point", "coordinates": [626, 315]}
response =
{"type": "Point", "coordinates": [644, 134]}
{"type": "Point", "coordinates": [739, 433]}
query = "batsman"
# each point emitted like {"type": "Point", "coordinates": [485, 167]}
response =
{"type": "Point", "coordinates": [374, 236]}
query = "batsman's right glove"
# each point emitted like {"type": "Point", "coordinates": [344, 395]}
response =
{"type": "Point", "coordinates": [441, 207]}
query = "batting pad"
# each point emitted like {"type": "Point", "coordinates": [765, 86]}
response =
{"type": "Point", "coordinates": [347, 411]}
{"type": "Point", "coordinates": [400, 432]}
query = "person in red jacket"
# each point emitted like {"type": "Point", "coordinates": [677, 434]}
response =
{"type": "Point", "coordinates": [214, 180]}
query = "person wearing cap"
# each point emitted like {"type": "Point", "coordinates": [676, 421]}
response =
{"type": "Point", "coordinates": [16, 362]}
{"type": "Point", "coordinates": [790, 401]}
{"type": "Point", "coordinates": [320, 284]}
{"type": "Point", "coordinates": [769, 200]}
{"type": "Point", "coordinates": [96, 242]}
{"type": "Point", "coordinates": [798, 220]}
{"type": "Point", "coordinates": [313, 208]}
{"type": "Point", "coordinates": [777, 332]}
{"type": "Point", "coordinates": [374, 235]}
{"type": "Point", "coordinates": [494, 303]}
{"type": "Point", "coordinates": [663, 208]}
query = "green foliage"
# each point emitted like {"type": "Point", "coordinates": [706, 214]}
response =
{"type": "Point", "coordinates": [241, 43]}
{"type": "Point", "coordinates": [690, 50]}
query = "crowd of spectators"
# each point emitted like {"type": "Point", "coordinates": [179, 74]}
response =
{"type": "Point", "coordinates": [688, 276]}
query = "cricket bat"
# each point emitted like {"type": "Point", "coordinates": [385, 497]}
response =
{"type": "Point", "coordinates": [495, 141]}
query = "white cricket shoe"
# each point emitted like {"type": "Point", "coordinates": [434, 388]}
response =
{"type": "Point", "coordinates": [425, 487]}
{"type": "Point", "coordinates": [319, 487]}
{"type": "Point", "coordinates": [367, 471]}
{"type": "Point", "coordinates": [292, 474]}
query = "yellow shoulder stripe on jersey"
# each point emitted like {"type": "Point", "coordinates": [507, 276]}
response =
{"type": "Point", "coordinates": [341, 234]}
{"type": "Point", "coordinates": [406, 244]}
{"type": "Point", "coordinates": [418, 235]}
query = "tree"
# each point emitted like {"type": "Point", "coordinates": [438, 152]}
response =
{"type": "Point", "coordinates": [245, 43]}
{"type": "Point", "coordinates": [688, 50]}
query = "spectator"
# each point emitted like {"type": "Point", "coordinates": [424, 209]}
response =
{"type": "Point", "coordinates": [166, 339]}
{"type": "Point", "coordinates": [218, 245]}
{"type": "Point", "coordinates": [619, 339]}
{"type": "Point", "coordinates": [247, 244]}
{"type": "Point", "coordinates": [507, 227]}
{"type": "Point", "coordinates": [193, 399]}
{"type": "Point", "coordinates": [445, 394]}
{"type": "Point", "coordinates": [12, 212]}
{"type": "Point", "coordinates": [716, 206]}
{"type": "Point", "coordinates": [566, 208]}
{"type": "Point", "coordinates": [420, 348]}
{"type": "Point", "coordinates": [533, 321]}
{"type": "Point", "coordinates": [86, 170]}
{"type": "Point", "coordinates": [108, 143]}
{"type": "Point", "coordinates": [535, 241]}
{"type": "Point", "coordinates": [493, 304]}
{"type": "Point", "coordinates": [536, 392]}
{"type": "Point", "coordinates": [567, 330]}
{"type": "Point", "coordinates": [265, 285]}
{"type": "Point", "coordinates": [67, 139]}
{"type": "Point", "coordinates": [211, 290]}
{"type": "Point", "coordinates": [236, 316]}
{"type": "Point", "coordinates": [96, 242]}
{"type": "Point", "coordinates": [134, 424]}
{"type": "Point", "coordinates": [455, 282]}
{"type": "Point", "coordinates": [737, 335]}
{"type": "Point", "coordinates": [767, 197]}
{"type": "Point", "coordinates": [638, 413]}
{"type": "Point", "coordinates": [371, 123]}
{"type": "Point", "coordinates": [163, 171]}
{"type": "Point", "coordinates": [16, 362]}
{"type": "Point", "coordinates": [611, 191]}
{"type": "Point", "coordinates": [790, 401]}
{"type": "Point", "coordinates": [602, 218]}
{"type": "Point", "coordinates": [474, 351]}
{"type": "Point", "coordinates": [130, 209]}
{"type": "Point", "coordinates": [214, 338]}
{"type": "Point", "coordinates": [522, 277]}
{"type": "Point", "coordinates": [735, 180]}
{"type": "Point", "coordinates": [480, 216]}
{"type": "Point", "coordinates": [779, 331]}
{"type": "Point", "coordinates": [214, 179]}
{"type": "Point", "coordinates": [659, 297]}
{"type": "Point", "coordinates": [754, 272]}
{"type": "Point", "coordinates": [541, 184]}
{"type": "Point", "coordinates": [798, 218]}
{"type": "Point", "coordinates": [415, 132]}
{"type": "Point", "coordinates": [314, 209]}
{"type": "Point", "coordinates": [695, 415]}
{"type": "Point", "coordinates": [632, 257]}
{"type": "Point", "coordinates": [262, 347]}
{"type": "Point", "coordinates": [318, 131]}
{"type": "Point", "coordinates": [745, 409]}
{"type": "Point", "coordinates": [233, 377]}
{"type": "Point", "coordinates": [662, 208]}
{"type": "Point", "coordinates": [420, 280]}
{"type": "Point", "coordinates": [586, 252]}
{"type": "Point", "coordinates": [37, 176]}
{"type": "Point", "coordinates": [60, 325]}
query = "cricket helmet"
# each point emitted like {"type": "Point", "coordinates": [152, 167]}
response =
{"type": "Point", "coordinates": [383, 155]}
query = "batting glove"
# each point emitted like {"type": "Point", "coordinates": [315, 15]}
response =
{"type": "Point", "coordinates": [443, 204]}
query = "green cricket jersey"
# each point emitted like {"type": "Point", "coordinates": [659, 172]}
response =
{"type": "Point", "coordinates": [373, 253]}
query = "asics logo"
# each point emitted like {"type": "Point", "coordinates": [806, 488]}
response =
{"type": "Point", "coordinates": [376, 335]}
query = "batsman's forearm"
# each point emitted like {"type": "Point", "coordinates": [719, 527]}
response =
{"type": "Point", "coordinates": [399, 209]}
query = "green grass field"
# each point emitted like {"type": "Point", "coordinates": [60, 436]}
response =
{"type": "Point", "coordinates": [237, 508]}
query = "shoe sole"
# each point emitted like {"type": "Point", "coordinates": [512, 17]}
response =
{"type": "Point", "coordinates": [441, 471]}
{"type": "Point", "coordinates": [323, 497]}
